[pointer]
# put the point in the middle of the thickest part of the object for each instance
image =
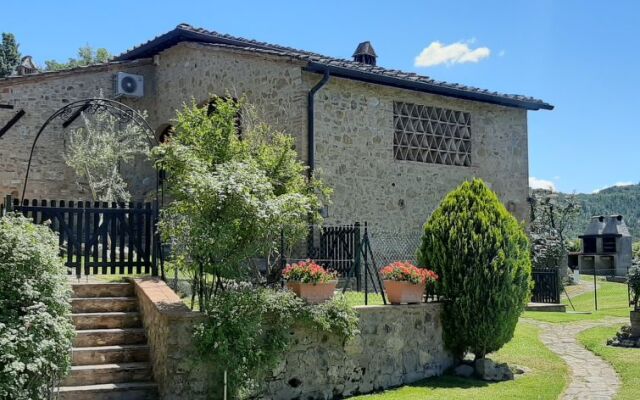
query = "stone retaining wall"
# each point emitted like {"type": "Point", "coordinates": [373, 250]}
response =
{"type": "Point", "coordinates": [169, 323]}
{"type": "Point", "coordinates": [397, 345]}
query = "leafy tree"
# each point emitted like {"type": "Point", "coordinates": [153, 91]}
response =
{"type": "Point", "coordinates": [623, 200]}
{"type": "Point", "coordinates": [551, 217]}
{"type": "Point", "coordinates": [98, 149]}
{"type": "Point", "coordinates": [9, 54]}
{"type": "Point", "coordinates": [574, 245]}
{"type": "Point", "coordinates": [635, 252]}
{"type": "Point", "coordinates": [35, 327]}
{"type": "Point", "coordinates": [87, 55]}
{"type": "Point", "coordinates": [634, 286]}
{"type": "Point", "coordinates": [481, 254]}
{"type": "Point", "coordinates": [232, 195]}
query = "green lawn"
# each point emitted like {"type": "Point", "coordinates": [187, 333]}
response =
{"type": "Point", "coordinates": [626, 362]}
{"type": "Point", "coordinates": [357, 298]}
{"type": "Point", "coordinates": [612, 302]}
{"type": "Point", "coordinates": [546, 380]}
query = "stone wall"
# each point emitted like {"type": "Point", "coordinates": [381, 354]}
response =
{"type": "Point", "coordinates": [40, 96]}
{"type": "Point", "coordinates": [354, 153]}
{"type": "Point", "coordinates": [397, 345]}
{"type": "Point", "coordinates": [169, 323]}
{"type": "Point", "coordinates": [272, 85]}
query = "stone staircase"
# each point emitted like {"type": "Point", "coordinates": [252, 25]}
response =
{"type": "Point", "coordinates": [110, 351]}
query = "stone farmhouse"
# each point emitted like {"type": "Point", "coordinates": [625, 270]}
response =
{"type": "Point", "coordinates": [391, 144]}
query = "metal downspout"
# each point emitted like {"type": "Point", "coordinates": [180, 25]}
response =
{"type": "Point", "coordinates": [311, 134]}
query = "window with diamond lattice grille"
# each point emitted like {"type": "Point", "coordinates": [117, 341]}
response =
{"type": "Point", "coordinates": [431, 134]}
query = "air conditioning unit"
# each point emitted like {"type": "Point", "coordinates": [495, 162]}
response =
{"type": "Point", "coordinates": [129, 85]}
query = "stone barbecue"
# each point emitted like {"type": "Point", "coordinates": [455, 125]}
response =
{"type": "Point", "coordinates": [606, 246]}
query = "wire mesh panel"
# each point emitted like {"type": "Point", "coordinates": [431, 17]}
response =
{"type": "Point", "coordinates": [390, 246]}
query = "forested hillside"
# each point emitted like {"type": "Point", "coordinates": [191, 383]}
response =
{"type": "Point", "coordinates": [623, 200]}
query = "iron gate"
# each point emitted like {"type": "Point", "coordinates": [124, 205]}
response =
{"type": "Point", "coordinates": [336, 248]}
{"type": "Point", "coordinates": [546, 287]}
{"type": "Point", "coordinates": [99, 238]}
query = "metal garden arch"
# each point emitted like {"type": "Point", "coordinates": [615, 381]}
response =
{"type": "Point", "coordinates": [70, 112]}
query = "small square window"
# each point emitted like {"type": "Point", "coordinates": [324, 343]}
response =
{"type": "Point", "coordinates": [589, 245]}
{"type": "Point", "coordinates": [609, 244]}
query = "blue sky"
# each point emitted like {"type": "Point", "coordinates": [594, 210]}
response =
{"type": "Point", "coordinates": [581, 56]}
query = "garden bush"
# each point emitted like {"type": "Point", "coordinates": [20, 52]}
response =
{"type": "Point", "coordinates": [35, 328]}
{"type": "Point", "coordinates": [247, 331]}
{"type": "Point", "coordinates": [634, 286]}
{"type": "Point", "coordinates": [481, 254]}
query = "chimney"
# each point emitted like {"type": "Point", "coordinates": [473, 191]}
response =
{"type": "Point", "coordinates": [26, 66]}
{"type": "Point", "coordinates": [365, 54]}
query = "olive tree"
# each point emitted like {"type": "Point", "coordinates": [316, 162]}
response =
{"type": "Point", "coordinates": [481, 254]}
{"type": "Point", "coordinates": [99, 148]}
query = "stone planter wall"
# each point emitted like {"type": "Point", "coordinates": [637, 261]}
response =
{"type": "Point", "coordinates": [169, 326]}
{"type": "Point", "coordinates": [397, 345]}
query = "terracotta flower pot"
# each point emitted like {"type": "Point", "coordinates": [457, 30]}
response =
{"type": "Point", "coordinates": [635, 323]}
{"type": "Point", "coordinates": [313, 293]}
{"type": "Point", "coordinates": [399, 292]}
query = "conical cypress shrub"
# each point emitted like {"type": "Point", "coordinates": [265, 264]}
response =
{"type": "Point", "coordinates": [481, 254]}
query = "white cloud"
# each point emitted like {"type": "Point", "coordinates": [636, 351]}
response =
{"type": "Point", "coordinates": [624, 183]}
{"type": "Point", "coordinates": [455, 53]}
{"type": "Point", "coordinates": [535, 183]}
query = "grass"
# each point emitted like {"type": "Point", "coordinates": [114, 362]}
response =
{"type": "Point", "coordinates": [357, 298]}
{"type": "Point", "coordinates": [625, 361]}
{"type": "Point", "coordinates": [546, 379]}
{"type": "Point", "coordinates": [612, 302]}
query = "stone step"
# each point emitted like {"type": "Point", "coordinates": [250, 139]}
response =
{"type": "Point", "coordinates": [81, 375]}
{"type": "Point", "coordinates": [110, 391]}
{"type": "Point", "coordinates": [103, 290]}
{"type": "Point", "coordinates": [104, 304]}
{"type": "Point", "coordinates": [106, 320]}
{"type": "Point", "coordinates": [110, 354]}
{"type": "Point", "coordinates": [109, 337]}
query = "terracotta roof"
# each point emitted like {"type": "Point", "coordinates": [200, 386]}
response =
{"type": "Point", "coordinates": [8, 80]}
{"type": "Point", "coordinates": [337, 67]}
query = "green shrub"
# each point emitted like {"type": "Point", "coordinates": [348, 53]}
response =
{"type": "Point", "coordinates": [481, 254]}
{"type": "Point", "coordinates": [634, 286]}
{"type": "Point", "coordinates": [247, 331]}
{"type": "Point", "coordinates": [35, 329]}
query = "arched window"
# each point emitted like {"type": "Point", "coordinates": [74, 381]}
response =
{"type": "Point", "coordinates": [211, 108]}
{"type": "Point", "coordinates": [164, 133]}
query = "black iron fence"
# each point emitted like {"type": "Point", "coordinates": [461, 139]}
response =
{"type": "Point", "coordinates": [97, 237]}
{"type": "Point", "coordinates": [546, 287]}
{"type": "Point", "coordinates": [336, 248]}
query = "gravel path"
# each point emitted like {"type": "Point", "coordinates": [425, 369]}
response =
{"type": "Point", "coordinates": [591, 377]}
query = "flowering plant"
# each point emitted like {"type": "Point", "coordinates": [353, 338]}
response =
{"type": "Point", "coordinates": [405, 271]}
{"type": "Point", "coordinates": [307, 272]}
